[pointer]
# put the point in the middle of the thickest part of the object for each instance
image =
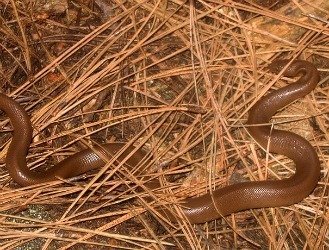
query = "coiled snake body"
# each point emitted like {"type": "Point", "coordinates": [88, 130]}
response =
{"type": "Point", "coordinates": [222, 201]}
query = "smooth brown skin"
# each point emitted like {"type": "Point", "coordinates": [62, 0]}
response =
{"type": "Point", "coordinates": [220, 202]}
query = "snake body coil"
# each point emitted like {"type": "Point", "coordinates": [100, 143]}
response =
{"type": "Point", "coordinates": [222, 201]}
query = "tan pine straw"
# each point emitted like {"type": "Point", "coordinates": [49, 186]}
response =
{"type": "Point", "coordinates": [178, 79]}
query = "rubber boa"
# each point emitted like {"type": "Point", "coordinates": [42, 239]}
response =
{"type": "Point", "coordinates": [220, 202]}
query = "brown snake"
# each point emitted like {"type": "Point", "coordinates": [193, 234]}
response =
{"type": "Point", "coordinates": [222, 201]}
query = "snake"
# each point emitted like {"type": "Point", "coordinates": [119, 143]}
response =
{"type": "Point", "coordinates": [214, 204]}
